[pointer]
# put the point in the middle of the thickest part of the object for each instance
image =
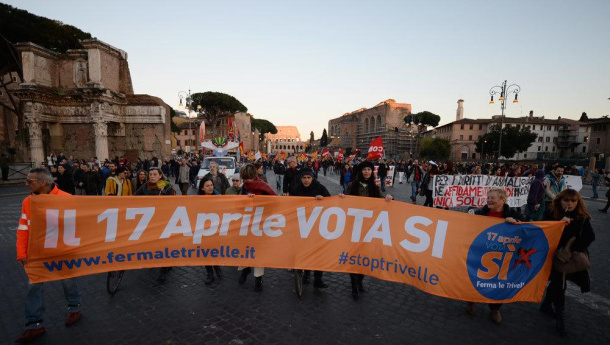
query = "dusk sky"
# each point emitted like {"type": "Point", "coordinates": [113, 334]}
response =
{"type": "Point", "coordinates": [304, 62]}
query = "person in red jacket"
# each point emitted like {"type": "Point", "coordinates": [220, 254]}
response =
{"type": "Point", "coordinates": [40, 181]}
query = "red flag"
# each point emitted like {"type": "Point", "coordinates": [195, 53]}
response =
{"type": "Point", "coordinates": [231, 130]}
{"type": "Point", "coordinates": [325, 153]}
{"type": "Point", "coordinates": [375, 149]}
{"type": "Point", "coordinates": [241, 148]}
{"type": "Point", "coordinates": [351, 157]}
{"type": "Point", "coordinates": [340, 156]}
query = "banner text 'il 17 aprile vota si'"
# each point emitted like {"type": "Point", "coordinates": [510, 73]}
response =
{"type": "Point", "coordinates": [443, 253]}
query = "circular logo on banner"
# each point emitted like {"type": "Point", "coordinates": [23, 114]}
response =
{"type": "Point", "coordinates": [504, 258]}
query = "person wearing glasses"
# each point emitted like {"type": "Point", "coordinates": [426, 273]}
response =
{"type": "Point", "coordinates": [40, 181]}
{"type": "Point", "coordinates": [235, 188]}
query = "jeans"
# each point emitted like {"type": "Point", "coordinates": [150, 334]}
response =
{"type": "Point", "coordinates": [595, 191]}
{"type": "Point", "coordinates": [278, 181]}
{"type": "Point", "coordinates": [414, 188]}
{"type": "Point", "coordinates": [34, 302]}
{"type": "Point", "coordinates": [345, 184]}
{"type": "Point", "coordinates": [382, 181]}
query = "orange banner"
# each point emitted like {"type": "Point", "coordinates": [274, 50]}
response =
{"type": "Point", "coordinates": [444, 253]}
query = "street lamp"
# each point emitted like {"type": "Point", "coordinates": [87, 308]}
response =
{"type": "Point", "coordinates": [188, 105]}
{"type": "Point", "coordinates": [504, 91]}
{"type": "Point", "coordinates": [419, 124]}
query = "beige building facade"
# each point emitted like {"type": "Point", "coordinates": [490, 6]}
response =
{"type": "Point", "coordinates": [82, 103]}
{"type": "Point", "coordinates": [358, 128]}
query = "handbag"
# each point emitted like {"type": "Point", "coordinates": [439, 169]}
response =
{"type": "Point", "coordinates": [568, 261]}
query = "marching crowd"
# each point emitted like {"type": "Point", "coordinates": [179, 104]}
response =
{"type": "Point", "coordinates": [549, 199]}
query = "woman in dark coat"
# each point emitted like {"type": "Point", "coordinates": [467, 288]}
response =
{"type": "Point", "coordinates": [206, 187]}
{"type": "Point", "coordinates": [157, 185]}
{"type": "Point", "coordinates": [363, 185]}
{"type": "Point", "coordinates": [568, 206]}
{"type": "Point", "coordinates": [309, 186]}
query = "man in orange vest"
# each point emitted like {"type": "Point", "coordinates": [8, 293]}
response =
{"type": "Point", "coordinates": [40, 181]}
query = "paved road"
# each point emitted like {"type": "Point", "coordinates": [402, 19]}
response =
{"type": "Point", "coordinates": [185, 311]}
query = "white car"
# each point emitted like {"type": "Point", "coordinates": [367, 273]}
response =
{"type": "Point", "coordinates": [226, 165]}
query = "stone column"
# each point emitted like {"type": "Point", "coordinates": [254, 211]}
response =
{"type": "Point", "coordinates": [101, 140]}
{"type": "Point", "coordinates": [36, 148]}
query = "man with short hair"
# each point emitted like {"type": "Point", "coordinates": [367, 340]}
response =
{"type": "Point", "coordinates": [554, 183]}
{"type": "Point", "coordinates": [416, 174]}
{"type": "Point", "coordinates": [182, 179]}
{"type": "Point", "coordinates": [78, 176]}
{"type": "Point", "coordinates": [291, 176]}
{"type": "Point", "coordinates": [40, 181]}
{"type": "Point", "coordinates": [221, 183]}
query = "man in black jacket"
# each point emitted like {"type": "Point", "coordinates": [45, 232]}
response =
{"type": "Point", "coordinates": [291, 177]}
{"type": "Point", "coordinates": [92, 181]}
{"type": "Point", "coordinates": [309, 186]}
{"type": "Point", "coordinates": [382, 172]}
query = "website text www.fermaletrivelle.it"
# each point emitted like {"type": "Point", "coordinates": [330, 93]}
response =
{"type": "Point", "coordinates": [167, 253]}
{"type": "Point", "coordinates": [381, 264]}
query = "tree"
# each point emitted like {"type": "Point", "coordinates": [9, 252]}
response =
{"type": "Point", "coordinates": [173, 127]}
{"type": "Point", "coordinates": [263, 126]}
{"type": "Point", "coordinates": [513, 141]}
{"type": "Point", "coordinates": [324, 139]}
{"type": "Point", "coordinates": [584, 117]}
{"type": "Point", "coordinates": [425, 118]}
{"type": "Point", "coordinates": [212, 106]}
{"type": "Point", "coordinates": [434, 148]}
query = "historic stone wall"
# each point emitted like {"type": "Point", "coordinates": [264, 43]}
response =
{"type": "Point", "coordinates": [45, 71]}
{"type": "Point", "coordinates": [110, 71]}
{"type": "Point", "coordinates": [66, 74]}
{"type": "Point", "coordinates": [76, 140]}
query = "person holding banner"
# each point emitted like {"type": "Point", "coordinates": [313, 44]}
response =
{"type": "Point", "coordinates": [568, 207]}
{"type": "Point", "coordinates": [496, 207]}
{"type": "Point", "coordinates": [309, 186]}
{"type": "Point", "coordinates": [252, 186]}
{"type": "Point", "coordinates": [363, 185]}
{"type": "Point", "coordinates": [157, 184]}
{"type": "Point", "coordinates": [40, 181]}
{"type": "Point", "coordinates": [206, 187]}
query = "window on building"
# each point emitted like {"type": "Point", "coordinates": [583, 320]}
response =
{"type": "Point", "coordinates": [584, 149]}
{"type": "Point", "coordinates": [178, 142]}
{"type": "Point", "coordinates": [539, 148]}
{"type": "Point", "coordinates": [474, 155]}
{"type": "Point", "coordinates": [540, 139]}
{"type": "Point", "coordinates": [518, 127]}
{"type": "Point", "coordinates": [471, 126]}
{"type": "Point", "coordinates": [525, 155]}
{"type": "Point", "coordinates": [461, 137]}
{"type": "Point", "coordinates": [480, 126]}
{"type": "Point", "coordinates": [548, 139]}
{"type": "Point", "coordinates": [586, 139]}
{"type": "Point", "coordinates": [470, 137]}
{"type": "Point", "coordinates": [462, 126]}
{"type": "Point", "coordinates": [549, 127]}
{"type": "Point", "coordinates": [599, 141]}
{"type": "Point", "coordinates": [534, 127]}
{"type": "Point", "coordinates": [554, 139]}
{"type": "Point", "coordinates": [464, 155]}
{"type": "Point", "coordinates": [553, 148]}
{"type": "Point", "coordinates": [546, 149]}
{"type": "Point", "coordinates": [366, 125]}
